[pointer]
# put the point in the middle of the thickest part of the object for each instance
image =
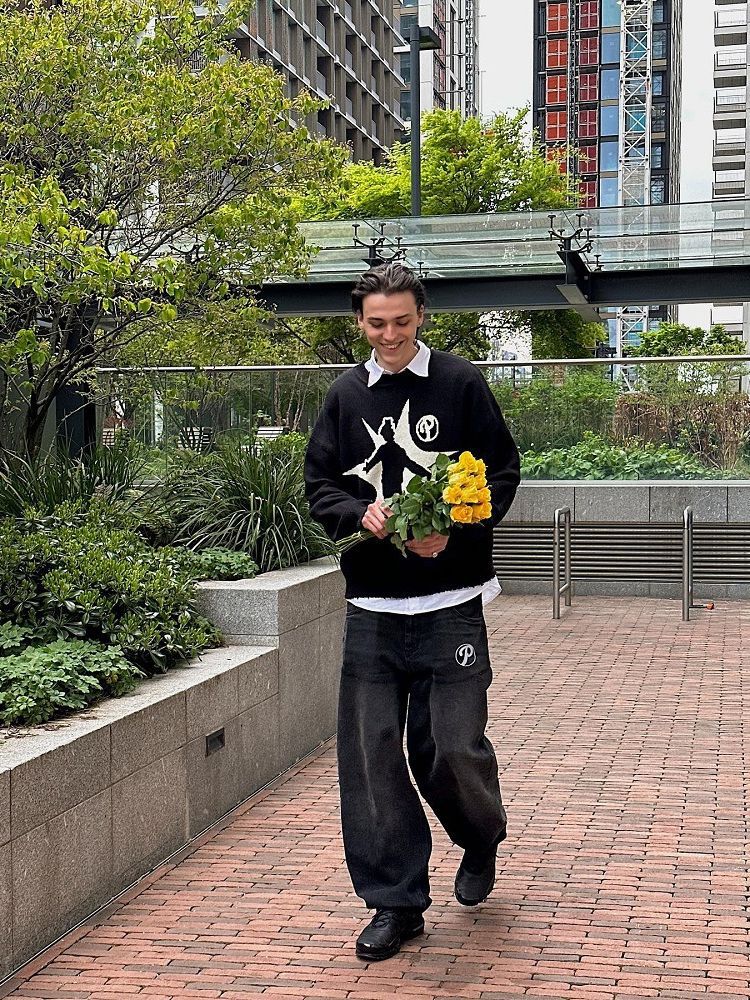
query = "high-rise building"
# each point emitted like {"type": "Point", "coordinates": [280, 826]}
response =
{"type": "Point", "coordinates": [450, 75]}
{"type": "Point", "coordinates": [731, 166]}
{"type": "Point", "coordinates": [607, 101]}
{"type": "Point", "coordinates": [340, 49]}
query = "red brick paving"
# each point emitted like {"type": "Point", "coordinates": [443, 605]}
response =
{"type": "Point", "coordinates": [622, 736]}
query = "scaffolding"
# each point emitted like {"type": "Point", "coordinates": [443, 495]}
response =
{"type": "Point", "coordinates": [470, 60]}
{"type": "Point", "coordinates": [634, 174]}
{"type": "Point", "coordinates": [635, 102]}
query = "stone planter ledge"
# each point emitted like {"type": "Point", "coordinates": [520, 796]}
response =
{"type": "Point", "coordinates": [90, 804]}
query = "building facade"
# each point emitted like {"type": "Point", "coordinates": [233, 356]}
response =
{"type": "Point", "coordinates": [730, 162]}
{"type": "Point", "coordinates": [607, 103]}
{"type": "Point", "coordinates": [450, 75]}
{"type": "Point", "coordinates": [342, 50]}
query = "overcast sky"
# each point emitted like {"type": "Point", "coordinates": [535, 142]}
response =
{"type": "Point", "coordinates": [505, 58]}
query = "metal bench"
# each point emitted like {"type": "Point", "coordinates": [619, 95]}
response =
{"type": "Point", "coordinates": [269, 433]}
{"type": "Point", "coordinates": [197, 439]}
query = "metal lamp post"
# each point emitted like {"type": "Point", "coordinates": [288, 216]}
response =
{"type": "Point", "coordinates": [421, 39]}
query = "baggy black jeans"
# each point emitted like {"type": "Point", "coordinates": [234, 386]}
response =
{"type": "Point", "coordinates": [427, 674]}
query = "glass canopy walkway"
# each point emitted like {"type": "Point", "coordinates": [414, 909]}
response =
{"type": "Point", "coordinates": [660, 254]}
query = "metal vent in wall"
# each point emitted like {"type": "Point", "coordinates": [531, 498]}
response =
{"type": "Point", "coordinates": [636, 551]}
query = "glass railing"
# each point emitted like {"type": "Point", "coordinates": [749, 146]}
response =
{"type": "Point", "coordinates": [614, 419]}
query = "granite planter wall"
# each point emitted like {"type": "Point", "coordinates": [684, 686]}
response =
{"type": "Point", "coordinates": [90, 804]}
{"type": "Point", "coordinates": [650, 501]}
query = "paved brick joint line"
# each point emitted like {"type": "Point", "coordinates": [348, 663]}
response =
{"type": "Point", "coordinates": [622, 737]}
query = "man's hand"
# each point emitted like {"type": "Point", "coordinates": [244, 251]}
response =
{"type": "Point", "coordinates": [375, 517]}
{"type": "Point", "coordinates": [430, 546]}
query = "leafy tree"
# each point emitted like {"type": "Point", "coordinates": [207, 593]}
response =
{"type": "Point", "coordinates": [561, 333]}
{"type": "Point", "coordinates": [468, 166]}
{"type": "Point", "coordinates": [678, 339]}
{"type": "Point", "coordinates": [687, 379]}
{"type": "Point", "coordinates": [133, 187]}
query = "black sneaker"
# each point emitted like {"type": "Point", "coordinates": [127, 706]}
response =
{"type": "Point", "coordinates": [386, 932]}
{"type": "Point", "coordinates": [475, 878]}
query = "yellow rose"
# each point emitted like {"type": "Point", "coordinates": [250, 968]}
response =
{"type": "Point", "coordinates": [452, 494]}
{"type": "Point", "coordinates": [484, 496]}
{"type": "Point", "coordinates": [461, 514]}
{"type": "Point", "coordinates": [470, 495]}
{"type": "Point", "coordinates": [482, 511]}
{"type": "Point", "coordinates": [467, 462]}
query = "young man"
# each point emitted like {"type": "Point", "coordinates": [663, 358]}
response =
{"type": "Point", "coordinates": [415, 647]}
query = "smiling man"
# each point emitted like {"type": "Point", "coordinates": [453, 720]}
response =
{"type": "Point", "coordinates": [415, 646]}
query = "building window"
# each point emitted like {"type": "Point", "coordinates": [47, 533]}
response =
{"type": "Point", "coordinates": [610, 84]}
{"type": "Point", "coordinates": [658, 11]}
{"type": "Point", "coordinates": [587, 124]}
{"type": "Point", "coordinates": [587, 159]}
{"type": "Point", "coordinates": [657, 155]}
{"type": "Point", "coordinates": [609, 156]}
{"type": "Point", "coordinates": [611, 47]}
{"type": "Point", "coordinates": [557, 89]}
{"type": "Point", "coordinates": [610, 120]}
{"type": "Point", "coordinates": [660, 44]}
{"type": "Point", "coordinates": [588, 14]}
{"type": "Point", "coordinates": [405, 68]}
{"type": "Point", "coordinates": [635, 121]}
{"type": "Point", "coordinates": [557, 53]}
{"type": "Point", "coordinates": [608, 192]}
{"type": "Point", "coordinates": [658, 190]}
{"type": "Point", "coordinates": [589, 51]}
{"type": "Point", "coordinates": [557, 17]}
{"type": "Point", "coordinates": [588, 87]}
{"type": "Point", "coordinates": [557, 126]}
{"type": "Point", "coordinates": [588, 194]}
{"type": "Point", "coordinates": [658, 84]}
{"type": "Point", "coordinates": [637, 45]}
{"type": "Point", "coordinates": [611, 13]}
{"type": "Point", "coordinates": [659, 118]}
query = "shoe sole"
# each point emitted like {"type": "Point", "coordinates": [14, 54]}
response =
{"type": "Point", "coordinates": [378, 956]}
{"type": "Point", "coordinates": [470, 902]}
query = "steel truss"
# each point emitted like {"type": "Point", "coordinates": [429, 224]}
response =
{"type": "Point", "coordinates": [634, 175]}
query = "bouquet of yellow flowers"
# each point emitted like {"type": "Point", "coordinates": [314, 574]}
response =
{"type": "Point", "coordinates": [453, 493]}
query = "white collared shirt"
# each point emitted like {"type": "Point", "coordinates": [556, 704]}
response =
{"type": "Point", "coordinates": [420, 365]}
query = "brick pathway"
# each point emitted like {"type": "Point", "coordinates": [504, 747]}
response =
{"type": "Point", "coordinates": [622, 737]}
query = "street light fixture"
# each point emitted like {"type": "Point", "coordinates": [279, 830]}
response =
{"type": "Point", "coordinates": [421, 39]}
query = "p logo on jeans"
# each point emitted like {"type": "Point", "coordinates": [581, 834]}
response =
{"type": "Point", "coordinates": [466, 655]}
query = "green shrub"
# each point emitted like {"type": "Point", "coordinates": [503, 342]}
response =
{"type": "Point", "coordinates": [74, 575]}
{"type": "Point", "coordinates": [595, 458]}
{"type": "Point", "coordinates": [219, 564]}
{"type": "Point", "coordinates": [41, 680]}
{"type": "Point", "coordinates": [251, 501]}
{"type": "Point", "coordinates": [545, 414]}
{"type": "Point", "coordinates": [108, 474]}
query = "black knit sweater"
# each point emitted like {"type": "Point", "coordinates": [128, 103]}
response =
{"type": "Point", "coordinates": [368, 443]}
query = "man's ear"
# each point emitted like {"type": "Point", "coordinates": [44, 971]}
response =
{"type": "Point", "coordinates": [420, 317]}
{"type": "Point", "coordinates": [360, 320]}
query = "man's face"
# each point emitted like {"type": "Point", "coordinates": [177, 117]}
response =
{"type": "Point", "coordinates": [390, 323]}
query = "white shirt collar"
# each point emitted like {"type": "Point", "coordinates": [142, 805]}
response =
{"type": "Point", "coordinates": [419, 364]}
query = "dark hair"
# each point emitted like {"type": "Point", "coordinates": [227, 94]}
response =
{"type": "Point", "coordinates": [388, 279]}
